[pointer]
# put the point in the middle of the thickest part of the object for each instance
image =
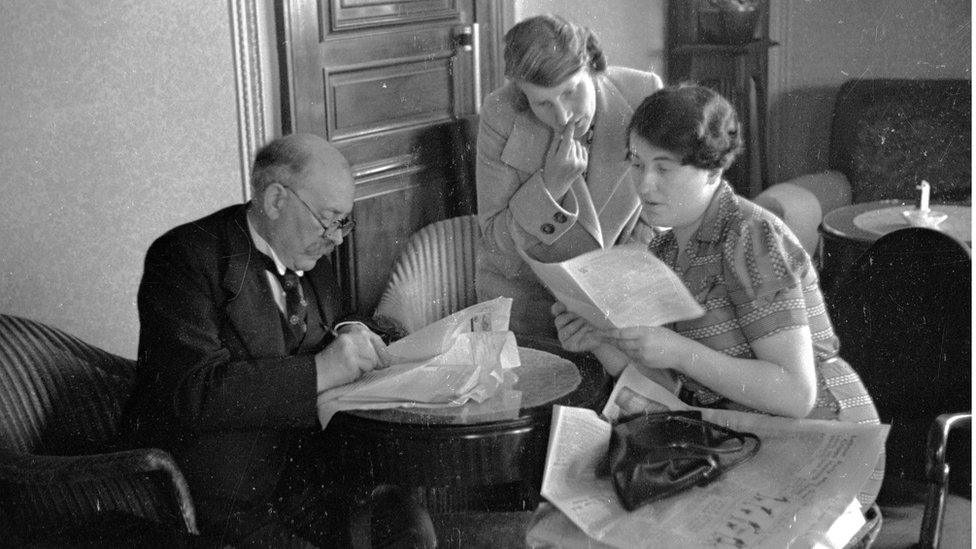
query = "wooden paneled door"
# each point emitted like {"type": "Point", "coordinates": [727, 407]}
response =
{"type": "Point", "coordinates": [390, 83]}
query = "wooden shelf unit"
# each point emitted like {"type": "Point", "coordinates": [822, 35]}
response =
{"type": "Point", "coordinates": [740, 72]}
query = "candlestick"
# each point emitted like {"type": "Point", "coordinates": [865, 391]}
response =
{"type": "Point", "coordinates": [923, 216]}
{"type": "Point", "coordinates": [926, 189]}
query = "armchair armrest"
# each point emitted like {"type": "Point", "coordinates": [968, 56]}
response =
{"type": "Point", "coordinates": [798, 208]}
{"type": "Point", "coordinates": [42, 470]}
{"type": "Point", "coordinates": [831, 188]}
{"type": "Point", "coordinates": [937, 475]}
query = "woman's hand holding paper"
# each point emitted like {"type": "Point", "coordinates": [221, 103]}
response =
{"type": "Point", "coordinates": [579, 336]}
{"type": "Point", "coordinates": [575, 333]}
{"type": "Point", "coordinates": [650, 346]}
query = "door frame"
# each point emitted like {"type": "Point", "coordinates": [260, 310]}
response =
{"type": "Point", "coordinates": [494, 17]}
{"type": "Point", "coordinates": [264, 96]}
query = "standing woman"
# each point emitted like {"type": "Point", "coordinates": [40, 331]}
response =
{"type": "Point", "coordinates": [765, 342]}
{"type": "Point", "coordinates": [552, 172]}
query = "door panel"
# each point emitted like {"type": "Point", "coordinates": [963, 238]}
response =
{"type": "Point", "coordinates": [386, 82]}
{"type": "Point", "coordinates": [389, 98]}
{"type": "Point", "coordinates": [349, 14]}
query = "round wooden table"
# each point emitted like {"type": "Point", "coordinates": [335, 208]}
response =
{"type": "Point", "coordinates": [483, 457]}
{"type": "Point", "coordinates": [848, 231]}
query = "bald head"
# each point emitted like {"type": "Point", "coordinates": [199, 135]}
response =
{"type": "Point", "coordinates": [287, 158]}
{"type": "Point", "coordinates": [302, 185]}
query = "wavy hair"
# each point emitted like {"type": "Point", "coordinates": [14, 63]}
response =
{"type": "Point", "coordinates": [693, 122]}
{"type": "Point", "coordinates": [546, 49]}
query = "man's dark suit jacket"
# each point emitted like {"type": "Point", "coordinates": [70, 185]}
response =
{"type": "Point", "coordinates": [217, 388]}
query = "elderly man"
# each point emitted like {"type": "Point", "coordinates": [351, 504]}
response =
{"type": "Point", "coordinates": [239, 332]}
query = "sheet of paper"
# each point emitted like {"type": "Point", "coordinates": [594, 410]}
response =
{"type": "Point", "coordinates": [619, 287]}
{"type": "Point", "coordinates": [438, 337]}
{"type": "Point", "coordinates": [551, 528]}
{"type": "Point", "coordinates": [473, 350]}
{"type": "Point", "coordinates": [791, 494]}
{"type": "Point", "coordinates": [634, 393]}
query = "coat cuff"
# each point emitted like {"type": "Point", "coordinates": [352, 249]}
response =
{"type": "Point", "coordinates": [539, 214]}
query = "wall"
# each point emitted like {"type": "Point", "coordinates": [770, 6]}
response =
{"type": "Point", "coordinates": [632, 33]}
{"type": "Point", "coordinates": [823, 43]}
{"type": "Point", "coordinates": [117, 122]}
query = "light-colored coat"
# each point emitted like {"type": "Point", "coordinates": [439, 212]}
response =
{"type": "Point", "coordinates": [598, 211]}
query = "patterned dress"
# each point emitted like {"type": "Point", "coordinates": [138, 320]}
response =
{"type": "Point", "coordinates": [754, 279]}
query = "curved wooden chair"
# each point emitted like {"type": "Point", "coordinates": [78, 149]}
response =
{"type": "Point", "coordinates": [433, 277]}
{"type": "Point", "coordinates": [65, 477]}
{"type": "Point", "coordinates": [903, 315]}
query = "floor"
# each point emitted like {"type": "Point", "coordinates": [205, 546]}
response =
{"type": "Point", "coordinates": [900, 528]}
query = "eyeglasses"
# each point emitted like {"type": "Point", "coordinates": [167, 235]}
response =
{"type": "Point", "coordinates": [342, 226]}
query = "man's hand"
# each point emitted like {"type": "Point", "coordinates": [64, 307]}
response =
{"type": "Point", "coordinates": [565, 161]}
{"type": "Point", "coordinates": [355, 351]}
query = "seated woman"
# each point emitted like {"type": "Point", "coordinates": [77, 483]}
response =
{"type": "Point", "coordinates": [765, 342]}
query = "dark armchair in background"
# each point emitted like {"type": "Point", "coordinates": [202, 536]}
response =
{"type": "Point", "coordinates": [889, 134]}
{"type": "Point", "coordinates": [886, 136]}
{"type": "Point", "coordinates": [64, 476]}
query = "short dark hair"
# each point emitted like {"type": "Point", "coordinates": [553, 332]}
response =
{"type": "Point", "coordinates": [694, 122]}
{"type": "Point", "coordinates": [546, 49]}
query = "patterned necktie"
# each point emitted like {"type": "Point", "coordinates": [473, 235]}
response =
{"type": "Point", "coordinates": [296, 308]}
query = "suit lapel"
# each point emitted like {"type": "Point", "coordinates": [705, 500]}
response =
{"type": "Point", "coordinates": [251, 307]}
{"type": "Point", "coordinates": [608, 167]}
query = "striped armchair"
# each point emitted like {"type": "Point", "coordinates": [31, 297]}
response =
{"type": "Point", "coordinates": [433, 277]}
{"type": "Point", "coordinates": [65, 476]}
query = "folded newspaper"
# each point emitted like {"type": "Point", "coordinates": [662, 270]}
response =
{"type": "Point", "coordinates": [457, 359]}
{"type": "Point", "coordinates": [618, 287]}
{"type": "Point", "coordinates": [798, 491]}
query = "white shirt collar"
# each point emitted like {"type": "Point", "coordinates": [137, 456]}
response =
{"type": "Point", "coordinates": [262, 246]}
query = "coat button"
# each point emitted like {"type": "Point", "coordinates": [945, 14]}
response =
{"type": "Point", "coordinates": [559, 217]}
{"type": "Point", "coordinates": [548, 228]}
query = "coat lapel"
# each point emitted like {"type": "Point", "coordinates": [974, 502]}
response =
{"type": "Point", "coordinates": [526, 147]}
{"type": "Point", "coordinates": [608, 167]}
{"type": "Point", "coordinates": [250, 306]}
{"type": "Point", "coordinates": [526, 151]}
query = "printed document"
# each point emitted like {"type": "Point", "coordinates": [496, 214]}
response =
{"type": "Point", "coordinates": [460, 358]}
{"type": "Point", "coordinates": [798, 491]}
{"type": "Point", "coordinates": [618, 287]}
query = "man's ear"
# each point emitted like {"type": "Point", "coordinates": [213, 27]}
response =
{"type": "Point", "coordinates": [273, 200]}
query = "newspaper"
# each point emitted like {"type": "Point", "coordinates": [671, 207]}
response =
{"type": "Point", "coordinates": [618, 287]}
{"type": "Point", "coordinates": [798, 491]}
{"type": "Point", "coordinates": [460, 358]}
{"type": "Point", "coordinates": [436, 338]}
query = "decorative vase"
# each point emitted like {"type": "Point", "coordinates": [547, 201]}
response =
{"type": "Point", "coordinates": [731, 27]}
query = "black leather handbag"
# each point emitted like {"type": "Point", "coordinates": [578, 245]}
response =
{"type": "Point", "coordinates": [655, 455]}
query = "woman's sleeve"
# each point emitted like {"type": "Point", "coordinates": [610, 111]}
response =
{"type": "Point", "coordinates": [508, 201]}
{"type": "Point", "coordinates": [765, 269]}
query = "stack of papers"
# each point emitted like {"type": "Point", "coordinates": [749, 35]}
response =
{"type": "Point", "coordinates": [460, 358]}
{"type": "Point", "coordinates": [799, 491]}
